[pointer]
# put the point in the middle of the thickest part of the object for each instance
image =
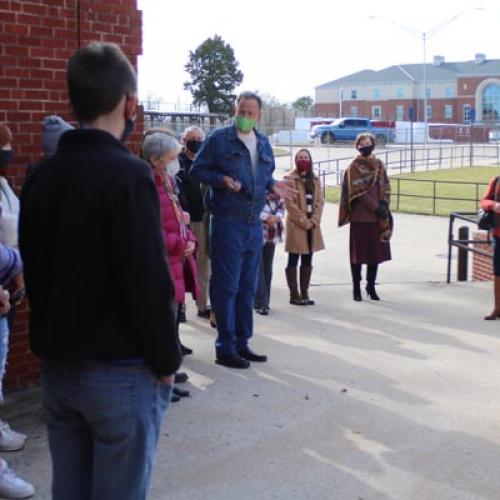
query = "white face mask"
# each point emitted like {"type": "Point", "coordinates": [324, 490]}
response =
{"type": "Point", "coordinates": [173, 167]}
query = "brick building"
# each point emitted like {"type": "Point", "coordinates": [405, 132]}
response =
{"type": "Point", "coordinates": [453, 90]}
{"type": "Point", "coordinates": [36, 39]}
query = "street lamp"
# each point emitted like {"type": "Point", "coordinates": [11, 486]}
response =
{"type": "Point", "coordinates": [424, 36]}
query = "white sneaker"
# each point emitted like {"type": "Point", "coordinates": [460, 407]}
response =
{"type": "Point", "coordinates": [11, 485]}
{"type": "Point", "coordinates": [10, 440]}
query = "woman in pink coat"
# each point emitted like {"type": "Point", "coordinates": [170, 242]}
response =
{"type": "Point", "coordinates": [161, 151]}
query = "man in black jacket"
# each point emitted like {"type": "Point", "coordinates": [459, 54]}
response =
{"type": "Point", "coordinates": [192, 193]}
{"type": "Point", "coordinates": [100, 292]}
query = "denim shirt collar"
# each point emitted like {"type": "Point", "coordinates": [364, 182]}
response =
{"type": "Point", "coordinates": [232, 134]}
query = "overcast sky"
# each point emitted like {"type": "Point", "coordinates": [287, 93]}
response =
{"type": "Point", "coordinates": [287, 48]}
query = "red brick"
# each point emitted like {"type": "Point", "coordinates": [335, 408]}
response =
{"type": "Point", "coordinates": [34, 9]}
{"type": "Point", "coordinates": [16, 29]}
{"type": "Point", "coordinates": [41, 52]}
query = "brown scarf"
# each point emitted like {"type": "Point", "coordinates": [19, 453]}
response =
{"type": "Point", "coordinates": [359, 178]}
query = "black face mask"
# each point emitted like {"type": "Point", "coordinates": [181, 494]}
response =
{"type": "Point", "coordinates": [5, 157]}
{"type": "Point", "coordinates": [129, 128]}
{"type": "Point", "coordinates": [366, 150]}
{"type": "Point", "coordinates": [194, 145]}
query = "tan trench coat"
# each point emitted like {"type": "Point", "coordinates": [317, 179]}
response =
{"type": "Point", "coordinates": [297, 222]}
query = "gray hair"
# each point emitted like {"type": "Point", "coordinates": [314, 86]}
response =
{"type": "Point", "coordinates": [193, 128]}
{"type": "Point", "coordinates": [156, 145]}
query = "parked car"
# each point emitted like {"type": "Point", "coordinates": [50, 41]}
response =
{"type": "Point", "coordinates": [347, 129]}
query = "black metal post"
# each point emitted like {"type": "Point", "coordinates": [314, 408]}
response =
{"type": "Point", "coordinates": [462, 264]}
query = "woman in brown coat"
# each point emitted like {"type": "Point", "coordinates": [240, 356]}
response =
{"type": "Point", "coordinates": [364, 203]}
{"type": "Point", "coordinates": [303, 233]}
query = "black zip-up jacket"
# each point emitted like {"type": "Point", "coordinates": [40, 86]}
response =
{"type": "Point", "coordinates": [191, 190]}
{"type": "Point", "coordinates": [96, 274]}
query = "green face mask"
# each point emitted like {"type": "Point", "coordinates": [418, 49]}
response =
{"type": "Point", "coordinates": [244, 124]}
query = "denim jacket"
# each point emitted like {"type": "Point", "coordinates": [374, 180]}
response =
{"type": "Point", "coordinates": [223, 153]}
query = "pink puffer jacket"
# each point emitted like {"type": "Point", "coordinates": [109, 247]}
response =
{"type": "Point", "coordinates": [176, 244]}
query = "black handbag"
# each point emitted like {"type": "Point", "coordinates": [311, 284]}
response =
{"type": "Point", "coordinates": [486, 220]}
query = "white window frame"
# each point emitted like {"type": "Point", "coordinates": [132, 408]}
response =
{"type": "Point", "coordinates": [400, 93]}
{"type": "Point", "coordinates": [379, 108]}
{"type": "Point", "coordinates": [467, 114]}
{"type": "Point", "coordinates": [354, 111]}
{"type": "Point", "coordinates": [429, 111]}
{"type": "Point", "coordinates": [448, 111]}
{"type": "Point", "coordinates": [354, 94]}
{"type": "Point", "coordinates": [400, 112]}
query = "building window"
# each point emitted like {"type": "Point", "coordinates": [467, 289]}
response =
{"type": "Point", "coordinates": [429, 111]}
{"type": "Point", "coordinates": [427, 92]}
{"type": "Point", "coordinates": [354, 111]}
{"type": "Point", "coordinates": [491, 103]}
{"type": "Point", "coordinates": [400, 93]}
{"type": "Point", "coordinates": [467, 114]}
{"type": "Point", "coordinates": [448, 92]}
{"type": "Point", "coordinates": [400, 113]}
{"type": "Point", "coordinates": [354, 94]}
{"type": "Point", "coordinates": [448, 111]}
{"type": "Point", "coordinates": [376, 94]}
{"type": "Point", "coordinates": [376, 112]}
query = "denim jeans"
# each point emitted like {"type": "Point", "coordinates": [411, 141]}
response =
{"type": "Point", "coordinates": [4, 349]}
{"type": "Point", "coordinates": [103, 423]}
{"type": "Point", "coordinates": [263, 295]}
{"type": "Point", "coordinates": [235, 250]}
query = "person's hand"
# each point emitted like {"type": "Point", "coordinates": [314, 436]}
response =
{"type": "Point", "coordinates": [167, 380]}
{"type": "Point", "coordinates": [230, 184]}
{"type": "Point", "coordinates": [4, 301]}
{"type": "Point", "coordinates": [190, 248]}
{"type": "Point", "coordinates": [497, 208]}
{"type": "Point", "coordinates": [272, 220]}
{"type": "Point", "coordinates": [187, 218]}
{"type": "Point", "coordinates": [284, 189]}
{"type": "Point", "coordinates": [382, 211]}
{"type": "Point", "coordinates": [17, 290]}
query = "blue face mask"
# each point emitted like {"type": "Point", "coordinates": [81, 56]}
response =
{"type": "Point", "coordinates": [5, 157]}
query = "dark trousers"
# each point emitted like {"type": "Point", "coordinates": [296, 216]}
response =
{"type": "Point", "coordinates": [236, 249]}
{"type": "Point", "coordinates": [263, 295]}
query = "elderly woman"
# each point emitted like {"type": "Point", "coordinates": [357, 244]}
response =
{"type": "Point", "coordinates": [364, 204]}
{"type": "Point", "coordinates": [161, 151]}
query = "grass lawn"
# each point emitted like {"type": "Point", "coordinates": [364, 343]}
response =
{"type": "Point", "coordinates": [411, 186]}
{"type": "Point", "coordinates": [281, 152]}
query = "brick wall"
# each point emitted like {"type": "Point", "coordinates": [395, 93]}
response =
{"type": "Point", "coordinates": [482, 267]}
{"type": "Point", "coordinates": [36, 39]}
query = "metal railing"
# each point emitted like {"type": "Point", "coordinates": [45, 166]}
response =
{"type": "Point", "coordinates": [463, 244]}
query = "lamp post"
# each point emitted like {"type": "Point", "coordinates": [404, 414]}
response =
{"type": "Point", "coordinates": [424, 36]}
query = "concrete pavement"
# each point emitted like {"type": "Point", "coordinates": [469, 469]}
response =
{"type": "Point", "coordinates": [391, 400]}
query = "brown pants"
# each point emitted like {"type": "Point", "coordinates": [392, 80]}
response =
{"type": "Point", "coordinates": [202, 263]}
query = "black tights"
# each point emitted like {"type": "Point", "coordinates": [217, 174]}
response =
{"type": "Point", "coordinates": [305, 259]}
{"type": "Point", "coordinates": [371, 273]}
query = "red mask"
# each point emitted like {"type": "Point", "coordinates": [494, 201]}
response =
{"type": "Point", "coordinates": [303, 165]}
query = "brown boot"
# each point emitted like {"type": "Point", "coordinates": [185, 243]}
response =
{"type": "Point", "coordinates": [305, 280]}
{"type": "Point", "coordinates": [291, 279]}
{"type": "Point", "coordinates": [496, 310]}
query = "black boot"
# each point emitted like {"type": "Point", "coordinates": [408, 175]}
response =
{"type": "Point", "coordinates": [371, 276]}
{"type": "Point", "coordinates": [305, 281]}
{"type": "Point", "coordinates": [291, 279]}
{"type": "Point", "coordinates": [356, 280]}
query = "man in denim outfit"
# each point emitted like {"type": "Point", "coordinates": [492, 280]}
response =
{"type": "Point", "coordinates": [101, 295]}
{"type": "Point", "coordinates": [237, 164]}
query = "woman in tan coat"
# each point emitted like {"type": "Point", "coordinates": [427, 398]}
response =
{"type": "Point", "coordinates": [303, 232]}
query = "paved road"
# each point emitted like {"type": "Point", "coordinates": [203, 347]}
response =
{"type": "Point", "coordinates": [395, 400]}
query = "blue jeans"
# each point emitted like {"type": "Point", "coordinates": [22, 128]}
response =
{"type": "Point", "coordinates": [103, 423]}
{"type": "Point", "coordinates": [4, 349]}
{"type": "Point", "coordinates": [235, 251]}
